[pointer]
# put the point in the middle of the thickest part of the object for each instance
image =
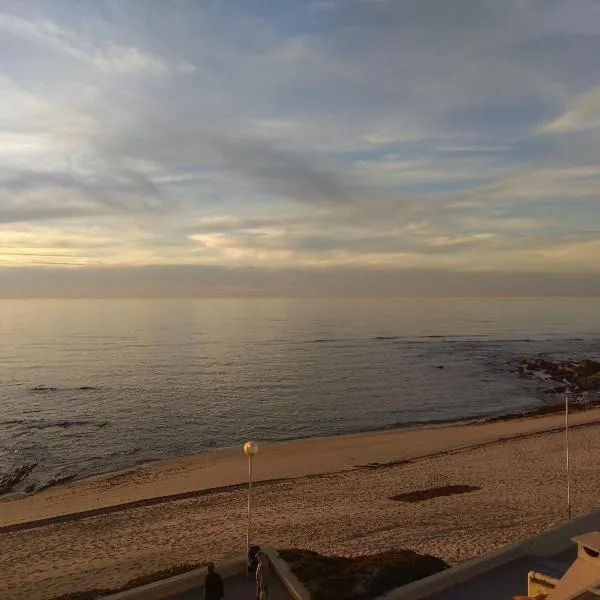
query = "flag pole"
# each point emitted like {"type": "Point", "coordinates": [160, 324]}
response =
{"type": "Point", "coordinates": [567, 456]}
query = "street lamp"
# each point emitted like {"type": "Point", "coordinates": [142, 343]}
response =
{"type": "Point", "coordinates": [250, 450]}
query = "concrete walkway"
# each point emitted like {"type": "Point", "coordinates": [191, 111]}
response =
{"type": "Point", "coordinates": [505, 581]}
{"type": "Point", "coordinates": [239, 588]}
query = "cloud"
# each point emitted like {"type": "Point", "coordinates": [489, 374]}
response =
{"type": "Point", "coordinates": [393, 170]}
{"type": "Point", "coordinates": [340, 135]}
{"type": "Point", "coordinates": [282, 172]}
{"type": "Point", "coordinates": [461, 241]}
{"type": "Point", "coordinates": [566, 183]}
{"type": "Point", "coordinates": [474, 149]}
{"type": "Point", "coordinates": [104, 56]}
{"type": "Point", "coordinates": [582, 114]}
{"type": "Point", "coordinates": [35, 195]}
{"type": "Point", "coordinates": [471, 230]}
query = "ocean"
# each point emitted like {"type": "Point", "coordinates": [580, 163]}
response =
{"type": "Point", "coordinates": [91, 386]}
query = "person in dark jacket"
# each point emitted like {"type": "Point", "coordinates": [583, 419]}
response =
{"type": "Point", "coordinates": [213, 584]}
{"type": "Point", "coordinates": [253, 558]}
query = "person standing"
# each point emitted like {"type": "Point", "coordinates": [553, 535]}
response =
{"type": "Point", "coordinates": [253, 558]}
{"type": "Point", "coordinates": [213, 584]}
{"type": "Point", "coordinates": [263, 577]}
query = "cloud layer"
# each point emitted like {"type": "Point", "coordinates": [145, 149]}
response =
{"type": "Point", "coordinates": [341, 136]}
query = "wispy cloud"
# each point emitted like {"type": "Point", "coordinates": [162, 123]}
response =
{"type": "Point", "coordinates": [105, 56]}
{"type": "Point", "coordinates": [583, 113]}
{"type": "Point", "coordinates": [346, 134]}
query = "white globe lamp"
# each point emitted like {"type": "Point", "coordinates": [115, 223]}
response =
{"type": "Point", "coordinates": [250, 449]}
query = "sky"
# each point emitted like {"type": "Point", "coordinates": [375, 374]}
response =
{"type": "Point", "coordinates": [274, 147]}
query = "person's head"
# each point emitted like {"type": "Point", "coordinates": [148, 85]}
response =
{"type": "Point", "coordinates": [211, 567]}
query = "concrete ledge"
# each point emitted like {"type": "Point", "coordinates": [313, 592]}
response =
{"type": "Point", "coordinates": [179, 583]}
{"type": "Point", "coordinates": [289, 580]}
{"type": "Point", "coordinates": [549, 543]}
{"type": "Point", "coordinates": [558, 538]}
{"type": "Point", "coordinates": [455, 575]}
{"type": "Point", "coordinates": [550, 567]}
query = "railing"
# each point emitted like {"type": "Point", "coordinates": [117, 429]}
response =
{"type": "Point", "coordinates": [180, 583]}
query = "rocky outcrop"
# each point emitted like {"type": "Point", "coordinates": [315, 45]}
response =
{"type": "Point", "coordinates": [54, 480]}
{"type": "Point", "coordinates": [573, 376]}
{"type": "Point", "coordinates": [11, 478]}
{"type": "Point", "coordinates": [14, 476]}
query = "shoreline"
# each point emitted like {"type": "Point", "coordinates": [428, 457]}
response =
{"type": "Point", "coordinates": [20, 480]}
{"type": "Point", "coordinates": [531, 413]}
{"type": "Point", "coordinates": [219, 471]}
{"type": "Point", "coordinates": [499, 416]}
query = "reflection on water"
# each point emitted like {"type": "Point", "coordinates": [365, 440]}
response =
{"type": "Point", "coordinates": [91, 386]}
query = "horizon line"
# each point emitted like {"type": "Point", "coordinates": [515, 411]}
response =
{"type": "Point", "coordinates": [301, 297]}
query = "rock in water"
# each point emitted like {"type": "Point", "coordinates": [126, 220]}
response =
{"type": "Point", "coordinates": [574, 376]}
{"type": "Point", "coordinates": [54, 480]}
{"type": "Point", "coordinates": [9, 479]}
{"type": "Point", "coordinates": [587, 368]}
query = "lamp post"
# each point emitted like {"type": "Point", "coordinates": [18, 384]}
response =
{"type": "Point", "coordinates": [567, 456]}
{"type": "Point", "coordinates": [250, 450]}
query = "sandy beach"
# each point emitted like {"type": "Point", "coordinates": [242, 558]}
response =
{"type": "Point", "coordinates": [332, 495]}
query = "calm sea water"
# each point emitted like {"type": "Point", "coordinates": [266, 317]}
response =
{"type": "Point", "coordinates": [97, 385]}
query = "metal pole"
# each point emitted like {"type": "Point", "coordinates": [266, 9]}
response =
{"type": "Point", "coordinates": [249, 509]}
{"type": "Point", "coordinates": [567, 451]}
